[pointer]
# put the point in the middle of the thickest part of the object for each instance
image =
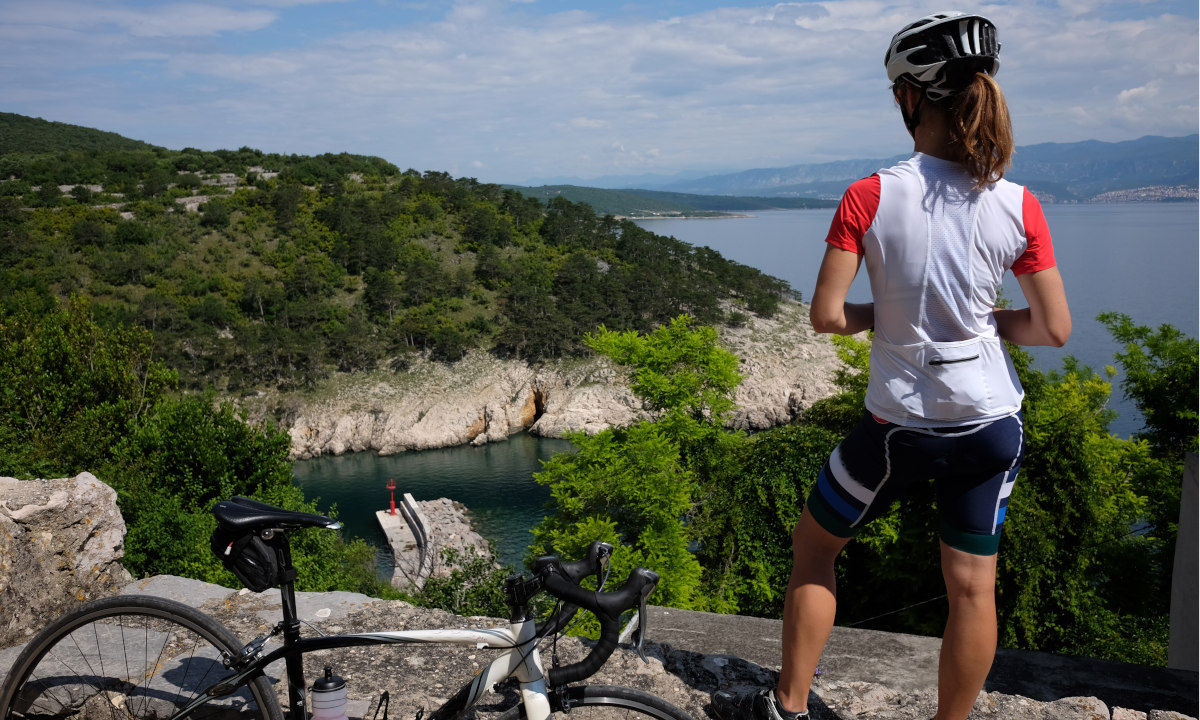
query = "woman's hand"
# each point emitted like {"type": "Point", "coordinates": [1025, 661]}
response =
{"type": "Point", "coordinates": [830, 313]}
{"type": "Point", "coordinates": [1047, 320]}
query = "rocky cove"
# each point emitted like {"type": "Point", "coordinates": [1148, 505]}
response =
{"type": "Point", "coordinates": [481, 398]}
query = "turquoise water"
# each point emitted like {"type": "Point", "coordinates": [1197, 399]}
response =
{"type": "Point", "coordinates": [494, 481]}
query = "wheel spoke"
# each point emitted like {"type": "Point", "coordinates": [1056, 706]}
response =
{"type": "Point", "coordinates": [62, 673]}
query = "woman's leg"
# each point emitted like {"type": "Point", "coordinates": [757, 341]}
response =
{"type": "Point", "coordinates": [808, 610]}
{"type": "Point", "coordinates": [969, 643]}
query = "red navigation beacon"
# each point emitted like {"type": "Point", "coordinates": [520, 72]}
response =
{"type": "Point", "coordinates": [391, 486]}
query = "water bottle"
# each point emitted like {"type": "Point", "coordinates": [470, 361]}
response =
{"type": "Point", "coordinates": [329, 697]}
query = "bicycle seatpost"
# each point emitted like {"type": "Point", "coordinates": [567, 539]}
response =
{"type": "Point", "coordinates": [291, 629]}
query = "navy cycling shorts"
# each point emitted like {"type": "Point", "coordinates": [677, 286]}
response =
{"type": "Point", "coordinates": [973, 468]}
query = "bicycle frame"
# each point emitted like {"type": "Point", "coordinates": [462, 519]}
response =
{"type": "Point", "coordinates": [523, 660]}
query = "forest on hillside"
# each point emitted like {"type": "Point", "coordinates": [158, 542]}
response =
{"type": "Point", "coordinates": [255, 269]}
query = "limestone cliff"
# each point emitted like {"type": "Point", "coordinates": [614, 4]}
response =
{"type": "Point", "coordinates": [481, 398]}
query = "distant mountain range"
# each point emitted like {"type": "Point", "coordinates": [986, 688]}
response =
{"type": "Point", "coordinates": [1149, 168]}
{"type": "Point", "coordinates": [1061, 172]}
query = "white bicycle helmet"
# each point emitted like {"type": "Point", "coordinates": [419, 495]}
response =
{"type": "Point", "coordinates": [940, 53]}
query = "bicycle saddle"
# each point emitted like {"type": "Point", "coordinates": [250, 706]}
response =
{"type": "Point", "coordinates": [242, 513]}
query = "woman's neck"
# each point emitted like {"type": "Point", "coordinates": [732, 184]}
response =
{"type": "Point", "coordinates": [932, 136]}
{"type": "Point", "coordinates": [934, 141]}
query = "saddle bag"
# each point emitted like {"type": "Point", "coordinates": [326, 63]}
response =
{"type": "Point", "coordinates": [248, 556]}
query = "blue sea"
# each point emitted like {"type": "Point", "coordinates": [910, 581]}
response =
{"type": "Point", "coordinates": [1136, 258]}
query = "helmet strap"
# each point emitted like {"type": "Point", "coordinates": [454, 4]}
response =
{"type": "Point", "coordinates": [912, 119]}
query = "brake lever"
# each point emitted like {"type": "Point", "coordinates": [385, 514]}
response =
{"type": "Point", "coordinates": [639, 635]}
{"type": "Point", "coordinates": [601, 552]}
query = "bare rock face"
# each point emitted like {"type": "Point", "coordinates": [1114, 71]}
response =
{"type": "Point", "coordinates": [786, 367]}
{"type": "Point", "coordinates": [60, 544]}
{"type": "Point", "coordinates": [480, 399]}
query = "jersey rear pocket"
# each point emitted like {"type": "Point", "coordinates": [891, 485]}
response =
{"type": "Point", "coordinates": [938, 381]}
{"type": "Point", "coordinates": [956, 379]}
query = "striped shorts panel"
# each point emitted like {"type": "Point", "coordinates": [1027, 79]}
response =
{"type": "Point", "coordinates": [974, 469]}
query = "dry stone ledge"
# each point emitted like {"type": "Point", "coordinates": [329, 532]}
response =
{"type": "Point", "coordinates": [60, 541]}
{"type": "Point", "coordinates": [892, 676]}
{"type": "Point", "coordinates": [60, 544]}
{"type": "Point", "coordinates": [422, 676]}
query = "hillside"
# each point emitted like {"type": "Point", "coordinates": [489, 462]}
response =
{"type": "Point", "coordinates": [257, 270]}
{"type": "Point", "coordinates": [654, 203]}
{"type": "Point", "coordinates": [1069, 172]}
{"type": "Point", "coordinates": [21, 134]}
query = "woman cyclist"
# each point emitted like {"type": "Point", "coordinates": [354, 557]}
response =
{"type": "Point", "coordinates": [937, 233]}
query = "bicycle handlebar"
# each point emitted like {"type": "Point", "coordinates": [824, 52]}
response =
{"type": "Point", "coordinates": [562, 581]}
{"type": "Point", "coordinates": [594, 564]}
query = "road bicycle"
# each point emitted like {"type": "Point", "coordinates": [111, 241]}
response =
{"type": "Point", "coordinates": [150, 658]}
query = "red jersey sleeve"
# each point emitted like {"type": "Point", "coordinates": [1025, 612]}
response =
{"type": "Point", "coordinates": [854, 215]}
{"type": "Point", "coordinates": [1039, 250]}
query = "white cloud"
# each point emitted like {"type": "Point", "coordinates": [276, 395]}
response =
{"type": "Point", "coordinates": [1139, 94]}
{"type": "Point", "coordinates": [291, 3]}
{"type": "Point", "coordinates": [530, 94]}
{"type": "Point", "coordinates": [163, 20]}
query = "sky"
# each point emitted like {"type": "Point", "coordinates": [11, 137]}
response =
{"type": "Point", "coordinates": [519, 90]}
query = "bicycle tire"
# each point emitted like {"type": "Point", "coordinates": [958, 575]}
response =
{"type": "Point", "coordinates": [607, 702]}
{"type": "Point", "coordinates": [85, 665]}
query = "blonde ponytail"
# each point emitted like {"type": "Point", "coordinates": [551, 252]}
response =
{"type": "Point", "coordinates": [981, 130]}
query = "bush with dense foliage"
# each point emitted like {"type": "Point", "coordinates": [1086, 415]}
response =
{"type": "Point", "coordinates": [76, 397]}
{"type": "Point", "coordinates": [1086, 558]}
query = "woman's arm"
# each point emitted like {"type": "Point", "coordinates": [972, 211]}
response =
{"type": "Point", "coordinates": [1047, 320]}
{"type": "Point", "coordinates": [830, 313]}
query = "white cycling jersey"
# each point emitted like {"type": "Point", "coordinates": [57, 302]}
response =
{"type": "Point", "coordinates": [936, 251]}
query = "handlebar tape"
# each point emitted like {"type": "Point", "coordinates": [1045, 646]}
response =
{"type": "Point", "coordinates": [607, 607]}
{"type": "Point", "coordinates": [597, 558]}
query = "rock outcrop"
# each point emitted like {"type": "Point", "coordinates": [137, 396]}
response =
{"type": "Point", "coordinates": [60, 544]}
{"type": "Point", "coordinates": [453, 531]}
{"type": "Point", "coordinates": [481, 398]}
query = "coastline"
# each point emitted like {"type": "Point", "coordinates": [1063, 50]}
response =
{"type": "Point", "coordinates": [483, 399]}
{"type": "Point", "coordinates": [721, 216]}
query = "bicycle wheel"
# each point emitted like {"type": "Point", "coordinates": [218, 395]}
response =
{"type": "Point", "coordinates": [126, 657]}
{"type": "Point", "coordinates": [608, 702]}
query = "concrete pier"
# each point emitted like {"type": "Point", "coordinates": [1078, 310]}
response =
{"type": "Point", "coordinates": [408, 535]}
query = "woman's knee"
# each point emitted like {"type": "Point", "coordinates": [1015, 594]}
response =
{"type": "Point", "coordinates": [968, 577]}
{"type": "Point", "coordinates": [810, 541]}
